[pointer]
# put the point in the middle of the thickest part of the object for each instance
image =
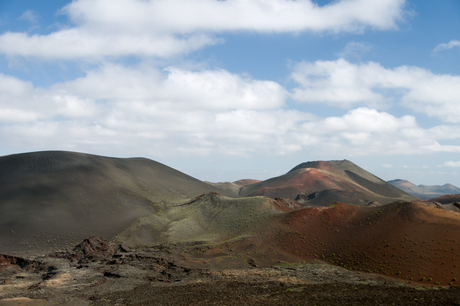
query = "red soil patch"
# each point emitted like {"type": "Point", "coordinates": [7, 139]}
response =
{"type": "Point", "coordinates": [410, 241]}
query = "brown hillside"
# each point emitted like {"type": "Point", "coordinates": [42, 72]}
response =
{"type": "Point", "coordinates": [410, 241]}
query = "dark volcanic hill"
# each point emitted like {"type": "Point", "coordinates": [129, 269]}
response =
{"type": "Point", "coordinates": [424, 191]}
{"type": "Point", "coordinates": [52, 199]}
{"type": "Point", "coordinates": [321, 183]}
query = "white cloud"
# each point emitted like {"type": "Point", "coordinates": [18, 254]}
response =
{"type": "Point", "coordinates": [187, 16]}
{"type": "Point", "coordinates": [177, 112]}
{"type": "Point", "coordinates": [451, 44]}
{"type": "Point", "coordinates": [209, 89]}
{"type": "Point", "coordinates": [365, 120]}
{"type": "Point", "coordinates": [166, 28]}
{"type": "Point", "coordinates": [21, 102]}
{"type": "Point", "coordinates": [386, 165]}
{"type": "Point", "coordinates": [365, 131]}
{"type": "Point", "coordinates": [169, 111]}
{"type": "Point", "coordinates": [450, 164]}
{"type": "Point", "coordinates": [78, 43]}
{"type": "Point", "coordinates": [341, 83]}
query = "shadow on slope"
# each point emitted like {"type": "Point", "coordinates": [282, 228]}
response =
{"type": "Point", "coordinates": [328, 196]}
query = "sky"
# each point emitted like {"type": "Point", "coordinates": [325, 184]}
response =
{"type": "Point", "coordinates": [234, 89]}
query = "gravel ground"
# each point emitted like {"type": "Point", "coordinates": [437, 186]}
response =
{"type": "Point", "coordinates": [239, 293]}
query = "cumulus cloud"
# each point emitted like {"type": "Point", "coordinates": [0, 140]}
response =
{"type": "Point", "coordinates": [207, 89]}
{"type": "Point", "coordinates": [338, 83]}
{"type": "Point", "coordinates": [146, 111]}
{"type": "Point", "coordinates": [21, 102]}
{"type": "Point", "coordinates": [364, 131]}
{"type": "Point", "coordinates": [344, 84]}
{"type": "Point", "coordinates": [166, 28]}
{"type": "Point", "coordinates": [451, 44]}
{"type": "Point", "coordinates": [189, 111]}
{"type": "Point", "coordinates": [186, 16]}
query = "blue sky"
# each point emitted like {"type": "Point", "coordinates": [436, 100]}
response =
{"type": "Point", "coordinates": [225, 90]}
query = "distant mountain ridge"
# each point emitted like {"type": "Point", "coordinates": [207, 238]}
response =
{"type": "Point", "coordinates": [425, 192]}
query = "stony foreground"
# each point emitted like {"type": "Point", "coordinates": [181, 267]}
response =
{"type": "Point", "coordinates": [98, 273]}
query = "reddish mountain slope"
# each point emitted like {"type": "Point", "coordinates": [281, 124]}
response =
{"type": "Point", "coordinates": [407, 240]}
{"type": "Point", "coordinates": [411, 241]}
{"type": "Point", "coordinates": [344, 180]}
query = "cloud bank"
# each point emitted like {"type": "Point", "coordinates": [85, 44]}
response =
{"type": "Point", "coordinates": [343, 84]}
{"type": "Point", "coordinates": [161, 28]}
{"type": "Point", "coordinates": [173, 111]}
